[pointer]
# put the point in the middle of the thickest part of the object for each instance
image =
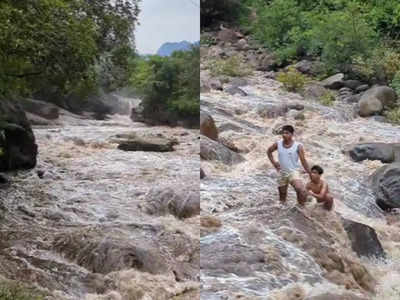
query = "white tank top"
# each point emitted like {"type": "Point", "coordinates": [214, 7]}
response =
{"type": "Point", "coordinates": [288, 157]}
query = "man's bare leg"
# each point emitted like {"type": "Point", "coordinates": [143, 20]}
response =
{"type": "Point", "coordinates": [283, 193]}
{"type": "Point", "coordinates": [328, 202]}
{"type": "Point", "coordinates": [300, 191]}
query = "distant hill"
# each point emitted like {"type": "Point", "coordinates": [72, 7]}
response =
{"type": "Point", "coordinates": [168, 48]}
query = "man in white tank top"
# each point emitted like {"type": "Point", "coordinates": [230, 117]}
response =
{"type": "Point", "coordinates": [289, 152]}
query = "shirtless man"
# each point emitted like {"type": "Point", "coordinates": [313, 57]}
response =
{"type": "Point", "coordinates": [289, 153]}
{"type": "Point", "coordinates": [318, 188]}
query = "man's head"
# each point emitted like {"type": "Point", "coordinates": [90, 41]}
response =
{"type": "Point", "coordinates": [316, 172]}
{"type": "Point", "coordinates": [287, 132]}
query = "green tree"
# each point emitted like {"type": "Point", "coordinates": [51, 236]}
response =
{"type": "Point", "coordinates": [58, 43]}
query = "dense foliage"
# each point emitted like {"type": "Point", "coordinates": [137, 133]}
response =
{"type": "Point", "coordinates": [67, 45]}
{"type": "Point", "coordinates": [351, 36]}
{"type": "Point", "coordinates": [169, 86]}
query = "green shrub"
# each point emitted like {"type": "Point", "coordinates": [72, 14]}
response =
{"type": "Point", "coordinates": [381, 66]}
{"type": "Point", "coordinates": [393, 115]}
{"type": "Point", "coordinates": [232, 66]}
{"type": "Point", "coordinates": [213, 12]}
{"type": "Point", "coordinates": [327, 99]}
{"type": "Point", "coordinates": [395, 84]}
{"type": "Point", "coordinates": [292, 80]}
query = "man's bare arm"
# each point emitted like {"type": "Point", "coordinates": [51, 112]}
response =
{"type": "Point", "coordinates": [303, 159]}
{"type": "Point", "coordinates": [271, 149]}
{"type": "Point", "coordinates": [321, 195]}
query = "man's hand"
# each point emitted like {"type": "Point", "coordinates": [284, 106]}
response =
{"type": "Point", "coordinates": [277, 166]}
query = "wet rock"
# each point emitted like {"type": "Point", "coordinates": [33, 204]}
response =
{"type": "Point", "coordinates": [43, 109]}
{"type": "Point", "coordinates": [37, 120]}
{"type": "Point", "coordinates": [386, 153]}
{"type": "Point", "coordinates": [270, 75]}
{"type": "Point", "coordinates": [271, 110]}
{"type": "Point", "coordinates": [362, 88]}
{"type": "Point", "coordinates": [207, 126]}
{"type": "Point", "coordinates": [232, 90]}
{"type": "Point", "coordinates": [304, 66]}
{"type": "Point", "coordinates": [334, 82]}
{"type": "Point", "coordinates": [374, 100]}
{"type": "Point", "coordinates": [295, 106]}
{"type": "Point", "coordinates": [352, 84]}
{"type": "Point", "coordinates": [386, 186]}
{"type": "Point", "coordinates": [102, 253]}
{"type": "Point", "coordinates": [180, 202]}
{"type": "Point", "coordinates": [4, 179]}
{"type": "Point", "coordinates": [229, 256]}
{"type": "Point", "coordinates": [147, 143]}
{"type": "Point", "coordinates": [18, 149]}
{"type": "Point", "coordinates": [202, 174]}
{"type": "Point", "coordinates": [212, 150]}
{"type": "Point", "coordinates": [314, 91]}
{"type": "Point", "coordinates": [364, 240]}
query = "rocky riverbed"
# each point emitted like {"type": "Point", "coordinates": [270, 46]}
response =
{"type": "Point", "coordinates": [95, 222]}
{"type": "Point", "coordinates": [254, 248]}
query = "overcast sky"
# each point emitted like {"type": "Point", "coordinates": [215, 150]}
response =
{"type": "Point", "coordinates": [167, 21]}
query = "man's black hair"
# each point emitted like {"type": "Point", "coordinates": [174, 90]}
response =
{"type": "Point", "coordinates": [317, 168]}
{"type": "Point", "coordinates": [288, 128]}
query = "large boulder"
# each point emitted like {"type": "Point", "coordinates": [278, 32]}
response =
{"type": "Point", "coordinates": [181, 202]}
{"type": "Point", "coordinates": [386, 153]}
{"type": "Point", "coordinates": [17, 142]}
{"type": "Point", "coordinates": [377, 98]}
{"type": "Point", "coordinates": [43, 109]}
{"type": "Point", "coordinates": [314, 91]}
{"type": "Point", "coordinates": [207, 126]}
{"type": "Point", "coordinates": [369, 107]}
{"type": "Point", "coordinates": [386, 186]}
{"type": "Point", "coordinates": [334, 82]}
{"type": "Point", "coordinates": [364, 240]}
{"type": "Point", "coordinates": [212, 150]}
{"type": "Point", "coordinates": [133, 142]}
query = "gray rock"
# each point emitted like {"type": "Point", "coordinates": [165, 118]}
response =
{"type": "Point", "coordinates": [212, 150]}
{"type": "Point", "coordinates": [364, 240]}
{"type": "Point", "coordinates": [147, 143]}
{"type": "Point", "coordinates": [17, 141]}
{"type": "Point", "coordinates": [207, 126]}
{"type": "Point", "coordinates": [386, 153]}
{"type": "Point", "coordinates": [352, 84]}
{"type": "Point", "coordinates": [374, 100]}
{"type": "Point", "coordinates": [334, 82]}
{"type": "Point", "coordinates": [202, 174]}
{"type": "Point", "coordinates": [233, 90]}
{"type": "Point", "coordinates": [181, 202]}
{"type": "Point", "coordinates": [386, 186]}
{"type": "Point", "coordinates": [362, 88]}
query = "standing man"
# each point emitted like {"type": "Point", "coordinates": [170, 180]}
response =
{"type": "Point", "coordinates": [289, 152]}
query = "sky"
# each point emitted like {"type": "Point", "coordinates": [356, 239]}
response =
{"type": "Point", "coordinates": [166, 21]}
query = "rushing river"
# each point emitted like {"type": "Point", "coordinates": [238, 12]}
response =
{"type": "Point", "coordinates": [271, 250]}
{"type": "Point", "coordinates": [77, 230]}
